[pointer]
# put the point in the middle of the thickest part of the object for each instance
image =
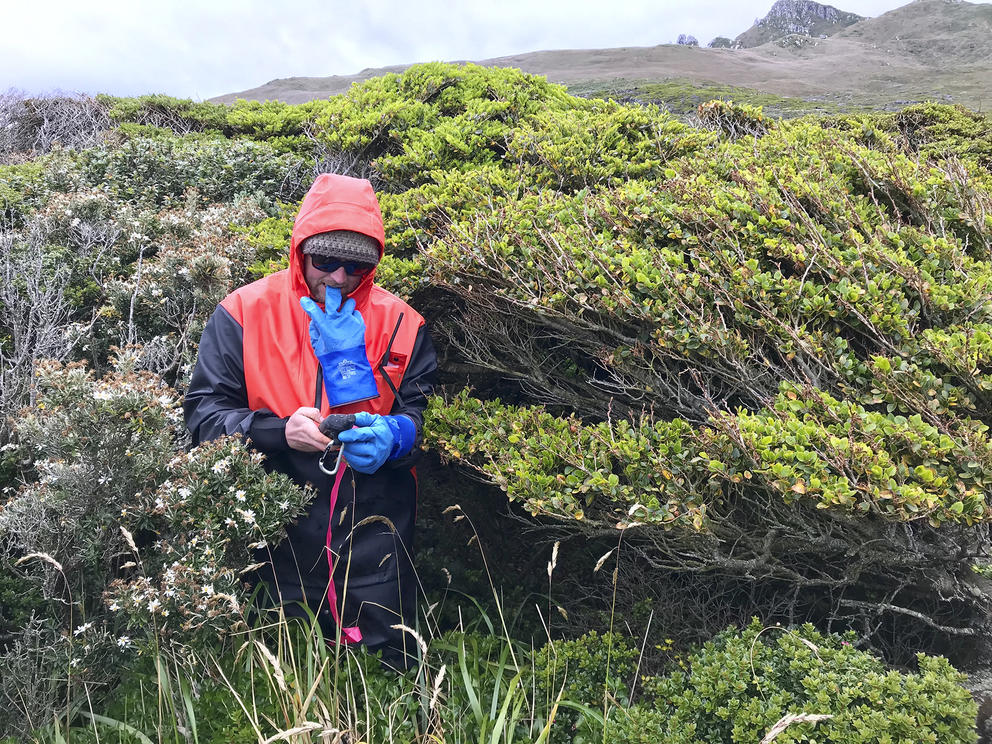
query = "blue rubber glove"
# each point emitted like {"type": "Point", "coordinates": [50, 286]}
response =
{"type": "Point", "coordinates": [338, 340]}
{"type": "Point", "coordinates": [376, 439]}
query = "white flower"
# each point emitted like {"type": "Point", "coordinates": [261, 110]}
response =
{"type": "Point", "coordinates": [165, 400]}
{"type": "Point", "coordinates": [102, 395]}
{"type": "Point", "coordinates": [208, 589]}
{"type": "Point", "coordinates": [283, 505]}
{"type": "Point", "coordinates": [153, 605]}
{"type": "Point", "coordinates": [248, 514]}
{"type": "Point", "coordinates": [124, 642]}
{"type": "Point", "coordinates": [114, 607]}
{"type": "Point", "coordinates": [239, 495]}
{"type": "Point", "coordinates": [159, 503]}
{"type": "Point", "coordinates": [185, 492]}
{"type": "Point", "coordinates": [82, 629]}
{"type": "Point", "coordinates": [229, 522]}
{"type": "Point", "coordinates": [220, 467]}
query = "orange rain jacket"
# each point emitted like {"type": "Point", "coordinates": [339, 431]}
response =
{"type": "Point", "coordinates": [256, 367]}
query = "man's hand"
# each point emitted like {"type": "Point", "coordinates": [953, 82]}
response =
{"type": "Point", "coordinates": [302, 432]}
{"type": "Point", "coordinates": [376, 439]}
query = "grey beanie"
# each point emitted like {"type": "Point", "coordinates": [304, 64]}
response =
{"type": "Point", "coordinates": [344, 245]}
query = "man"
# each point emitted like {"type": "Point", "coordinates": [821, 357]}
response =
{"type": "Point", "coordinates": [273, 363]}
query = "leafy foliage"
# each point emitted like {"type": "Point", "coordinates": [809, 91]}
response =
{"type": "Point", "coordinates": [740, 684]}
{"type": "Point", "coordinates": [159, 171]}
{"type": "Point", "coordinates": [757, 352]}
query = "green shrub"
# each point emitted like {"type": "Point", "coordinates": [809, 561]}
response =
{"type": "Point", "coordinates": [938, 131]}
{"type": "Point", "coordinates": [742, 683]}
{"type": "Point", "coordinates": [159, 172]}
{"type": "Point", "coordinates": [270, 240]}
{"type": "Point", "coordinates": [591, 671]}
{"type": "Point", "coordinates": [165, 112]}
{"type": "Point", "coordinates": [733, 119]}
{"type": "Point", "coordinates": [606, 143]}
{"type": "Point", "coordinates": [434, 117]}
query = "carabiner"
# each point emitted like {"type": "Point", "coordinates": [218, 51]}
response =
{"type": "Point", "coordinates": [330, 448]}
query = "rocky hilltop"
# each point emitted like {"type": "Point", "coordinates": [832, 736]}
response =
{"type": "Point", "coordinates": [803, 17]}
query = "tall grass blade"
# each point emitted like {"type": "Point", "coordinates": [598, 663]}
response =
{"type": "Point", "coordinates": [119, 726]}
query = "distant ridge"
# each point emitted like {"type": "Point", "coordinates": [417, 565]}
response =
{"type": "Point", "coordinates": [926, 50]}
{"type": "Point", "coordinates": [803, 17]}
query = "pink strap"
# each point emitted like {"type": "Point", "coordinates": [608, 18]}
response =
{"type": "Point", "coordinates": [353, 634]}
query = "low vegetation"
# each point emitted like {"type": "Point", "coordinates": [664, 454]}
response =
{"type": "Point", "coordinates": [720, 367]}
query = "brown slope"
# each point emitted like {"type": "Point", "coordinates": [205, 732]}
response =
{"type": "Point", "coordinates": [876, 62]}
{"type": "Point", "coordinates": [934, 32]}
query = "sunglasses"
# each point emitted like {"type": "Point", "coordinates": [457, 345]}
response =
{"type": "Point", "coordinates": [351, 268]}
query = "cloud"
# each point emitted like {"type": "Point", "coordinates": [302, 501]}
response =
{"type": "Point", "coordinates": [201, 49]}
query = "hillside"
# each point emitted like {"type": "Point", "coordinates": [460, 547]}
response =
{"type": "Point", "coordinates": [927, 50]}
{"type": "Point", "coordinates": [803, 17]}
{"type": "Point", "coordinates": [933, 32]}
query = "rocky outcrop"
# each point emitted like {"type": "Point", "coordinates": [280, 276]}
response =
{"type": "Point", "coordinates": [721, 42]}
{"type": "Point", "coordinates": [803, 17]}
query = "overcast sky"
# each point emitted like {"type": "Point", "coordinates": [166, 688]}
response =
{"type": "Point", "coordinates": [203, 48]}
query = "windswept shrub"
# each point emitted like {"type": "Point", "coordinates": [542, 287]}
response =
{"type": "Point", "coordinates": [434, 117]}
{"type": "Point", "coordinates": [607, 144]}
{"type": "Point", "coordinates": [735, 120]}
{"type": "Point", "coordinates": [938, 131]}
{"type": "Point", "coordinates": [740, 684]}
{"type": "Point", "coordinates": [33, 125]}
{"type": "Point", "coordinates": [158, 172]}
{"type": "Point", "coordinates": [181, 115]}
{"type": "Point", "coordinates": [597, 475]}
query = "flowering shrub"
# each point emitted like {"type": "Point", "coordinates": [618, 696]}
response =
{"type": "Point", "coordinates": [215, 514]}
{"type": "Point", "coordinates": [84, 451]}
{"type": "Point", "coordinates": [163, 302]}
{"type": "Point", "coordinates": [158, 172]}
{"type": "Point", "coordinates": [88, 448]}
{"type": "Point", "coordinates": [101, 477]}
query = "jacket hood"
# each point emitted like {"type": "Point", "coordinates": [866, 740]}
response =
{"type": "Point", "coordinates": [336, 202]}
